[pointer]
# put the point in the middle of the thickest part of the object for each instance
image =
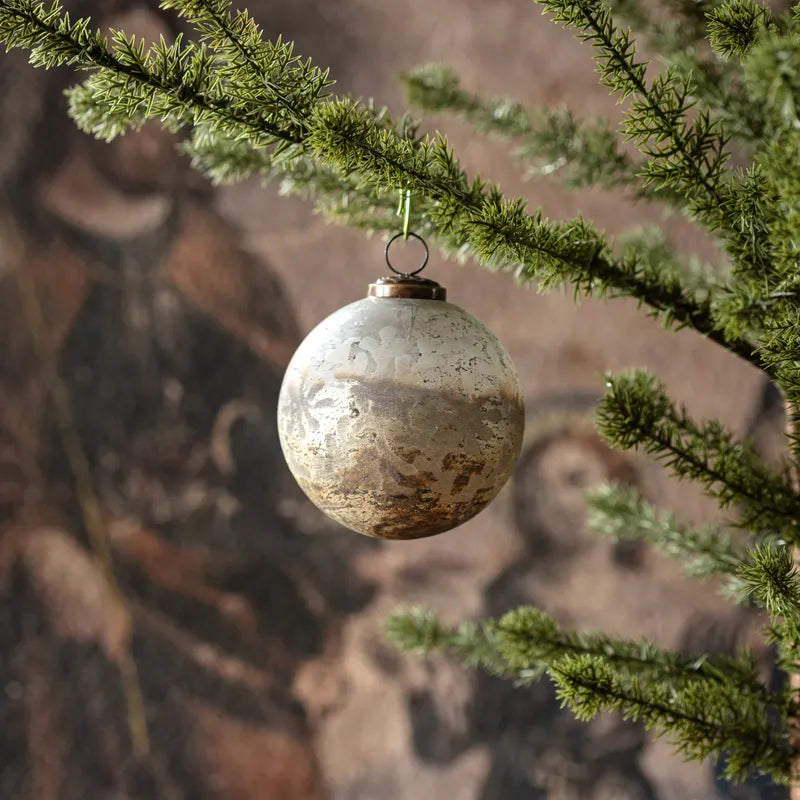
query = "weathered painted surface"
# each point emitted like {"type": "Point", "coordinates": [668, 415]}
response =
{"type": "Point", "coordinates": [401, 418]}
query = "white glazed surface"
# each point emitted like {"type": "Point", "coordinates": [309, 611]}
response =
{"type": "Point", "coordinates": [400, 418]}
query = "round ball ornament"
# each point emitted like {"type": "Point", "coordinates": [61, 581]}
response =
{"type": "Point", "coordinates": [400, 415]}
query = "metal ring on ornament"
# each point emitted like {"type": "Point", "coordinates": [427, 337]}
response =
{"type": "Point", "coordinates": [419, 239]}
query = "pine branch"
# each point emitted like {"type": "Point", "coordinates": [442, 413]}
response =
{"type": "Point", "coordinates": [499, 232]}
{"type": "Point", "coordinates": [780, 349]}
{"type": "Point", "coordinates": [468, 216]}
{"type": "Point", "coordinates": [708, 706]}
{"type": "Point", "coordinates": [680, 41]}
{"type": "Point", "coordinates": [266, 73]}
{"type": "Point", "coordinates": [686, 154]}
{"type": "Point", "coordinates": [183, 85]}
{"type": "Point", "coordinates": [682, 28]}
{"type": "Point", "coordinates": [130, 85]}
{"type": "Point", "coordinates": [769, 72]}
{"type": "Point", "coordinates": [668, 34]}
{"type": "Point", "coordinates": [735, 25]}
{"type": "Point", "coordinates": [648, 245]}
{"type": "Point", "coordinates": [420, 631]}
{"type": "Point", "coordinates": [771, 578]}
{"type": "Point", "coordinates": [621, 513]}
{"type": "Point", "coordinates": [637, 414]}
{"type": "Point", "coordinates": [551, 141]}
{"type": "Point", "coordinates": [524, 643]}
{"type": "Point", "coordinates": [660, 110]}
{"type": "Point", "coordinates": [700, 719]}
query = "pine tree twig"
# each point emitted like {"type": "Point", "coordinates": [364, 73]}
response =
{"type": "Point", "coordinates": [621, 513]}
{"type": "Point", "coordinates": [55, 40]}
{"type": "Point", "coordinates": [687, 154]}
{"type": "Point", "coordinates": [525, 642]}
{"type": "Point", "coordinates": [701, 720]}
{"type": "Point", "coordinates": [213, 19]}
{"type": "Point", "coordinates": [637, 414]}
{"type": "Point", "coordinates": [771, 578]}
{"type": "Point", "coordinates": [770, 72]}
{"type": "Point", "coordinates": [550, 141]}
{"type": "Point", "coordinates": [788, 633]}
{"type": "Point", "coordinates": [647, 246]}
{"type": "Point", "coordinates": [734, 26]}
{"type": "Point", "coordinates": [706, 706]}
{"type": "Point", "coordinates": [621, 73]}
{"type": "Point", "coordinates": [680, 40]}
{"type": "Point", "coordinates": [682, 28]}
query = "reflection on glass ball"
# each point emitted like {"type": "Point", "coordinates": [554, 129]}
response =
{"type": "Point", "coordinates": [401, 417]}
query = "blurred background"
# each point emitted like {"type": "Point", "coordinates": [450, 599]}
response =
{"type": "Point", "coordinates": [146, 319]}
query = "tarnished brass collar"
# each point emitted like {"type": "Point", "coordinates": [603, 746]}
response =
{"type": "Point", "coordinates": [407, 286]}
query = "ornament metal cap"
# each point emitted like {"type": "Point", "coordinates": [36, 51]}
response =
{"type": "Point", "coordinates": [407, 286]}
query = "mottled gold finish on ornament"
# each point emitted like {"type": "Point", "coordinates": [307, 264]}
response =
{"type": "Point", "coordinates": [405, 485]}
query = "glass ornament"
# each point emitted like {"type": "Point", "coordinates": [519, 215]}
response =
{"type": "Point", "coordinates": [400, 415]}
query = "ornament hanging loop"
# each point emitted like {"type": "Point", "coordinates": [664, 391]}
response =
{"type": "Point", "coordinates": [405, 236]}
